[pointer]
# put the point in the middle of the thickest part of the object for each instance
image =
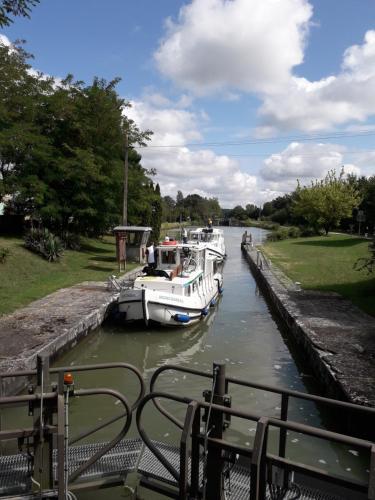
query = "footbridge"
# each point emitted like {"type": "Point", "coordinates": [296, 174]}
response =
{"type": "Point", "coordinates": [205, 463]}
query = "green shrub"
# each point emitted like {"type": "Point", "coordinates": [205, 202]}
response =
{"type": "Point", "coordinates": [4, 252]}
{"type": "Point", "coordinates": [367, 264]}
{"type": "Point", "coordinates": [294, 232]}
{"type": "Point", "coordinates": [283, 233]}
{"type": "Point", "coordinates": [263, 224]}
{"type": "Point", "coordinates": [307, 231]}
{"type": "Point", "coordinates": [71, 241]}
{"type": "Point", "coordinates": [44, 243]}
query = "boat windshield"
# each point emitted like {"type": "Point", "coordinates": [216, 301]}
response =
{"type": "Point", "coordinates": [168, 256]}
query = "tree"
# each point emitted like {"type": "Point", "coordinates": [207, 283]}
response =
{"type": "Point", "coordinates": [62, 150]}
{"type": "Point", "coordinates": [168, 209]}
{"type": "Point", "coordinates": [199, 208]}
{"type": "Point", "coordinates": [23, 101]}
{"type": "Point", "coordinates": [252, 211]}
{"type": "Point", "coordinates": [239, 213]}
{"type": "Point", "coordinates": [326, 202]}
{"type": "Point", "coordinates": [366, 188]}
{"type": "Point", "coordinates": [267, 209]}
{"type": "Point", "coordinates": [15, 8]}
{"type": "Point", "coordinates": [179, 199]}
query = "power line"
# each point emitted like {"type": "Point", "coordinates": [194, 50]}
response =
{"type": "Point", "coordinates": [272, 140]}
{"type": "Point", "coordinates": [302, 155]}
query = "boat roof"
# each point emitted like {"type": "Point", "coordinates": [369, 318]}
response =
{"type": "Point", "coordinates": [206, 229]}
{"type": "Point", "coordinates": [132, 228]}
{"type": "Point", "coordinates": [179, 244]}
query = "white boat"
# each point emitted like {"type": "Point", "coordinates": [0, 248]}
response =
{"type": "Point", "coordinates": [212, 237]}
{"type": "Point", "coordinates": [180, 291]}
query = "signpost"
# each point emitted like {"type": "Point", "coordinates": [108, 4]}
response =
{"type": "Point", "coordinates": [361, 217]}
{"type": "Point", "coordinates": [121, 250]}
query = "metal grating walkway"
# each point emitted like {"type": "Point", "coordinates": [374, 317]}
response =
{"type": "Point", "coordinates": [14, 476]}
{"type": "Point", "coordinates": [239, 484]}
{"type": "Point", "coordinates": [129, 455]}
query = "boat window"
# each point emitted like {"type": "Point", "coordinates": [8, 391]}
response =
{"type": "Point", "coordinates": [200, 280]}
{"type": "Point", "coordinates": [194, 285]}
{"type": "Point", "coordinates": [168, 257]}
{"type": "Point", "coordinates": [187, 291]}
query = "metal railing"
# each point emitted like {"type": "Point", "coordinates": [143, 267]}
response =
{"type": "Point", "coordinates": [258, 454]}
{"type": "Point", "coordinates": [53, 402]}
{"type": "Point", "coordinates": [282, 423]}
{"type": "Point", "coordinates": [193, 465]}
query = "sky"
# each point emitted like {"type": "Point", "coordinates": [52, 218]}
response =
{"type": "Point", "coordinates": [244, 96]}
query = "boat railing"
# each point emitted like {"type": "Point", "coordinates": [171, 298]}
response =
{"type": "Point", "coordinates": [117, 284]}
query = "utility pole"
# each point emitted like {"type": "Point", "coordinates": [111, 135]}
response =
{"type": "Point", "coordinates": [126, 170]}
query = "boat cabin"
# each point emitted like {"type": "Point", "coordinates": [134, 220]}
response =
{"type": "Point", "coordinates": [181, 269]}
{"type": "Point", "coordinates": [182, 257]}
{"type": "Point", "coordinates": [204, 235]}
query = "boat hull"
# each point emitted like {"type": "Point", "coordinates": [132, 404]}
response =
{"type": "Point", "coordinates": [166, 309]}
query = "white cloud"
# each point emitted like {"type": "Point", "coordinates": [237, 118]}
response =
{"type": "Point", "coordinates": [249, 45]}
{"type": "Point", "coordinates": [4, 40]}
{"type": "Point", "coordinates": [199, 171]}
{"type": "Point", "coordinates": [254, 46]}
{"type": "Point", "coordinates": [329, 102]}
{"type": "Point", "coordinates": [305, 162]}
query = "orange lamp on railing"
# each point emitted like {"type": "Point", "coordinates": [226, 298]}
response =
{"type": "Point", "coordinates": [68, 378]}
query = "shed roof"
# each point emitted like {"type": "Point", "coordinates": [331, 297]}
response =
{"type": "Point", "coordinates": [132, 228]}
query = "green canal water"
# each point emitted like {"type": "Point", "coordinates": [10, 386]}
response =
{"type": "Point", "coordinates": [242, 331]}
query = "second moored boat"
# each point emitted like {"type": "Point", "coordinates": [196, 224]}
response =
{"type": "Point", "coordinates": [213, 238]}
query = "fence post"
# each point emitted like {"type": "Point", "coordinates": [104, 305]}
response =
{"type": "Point", "coordinates": [43, 445]}
{"type": "Point", "coordinates": [215, 462]}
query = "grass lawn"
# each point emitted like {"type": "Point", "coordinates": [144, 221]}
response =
{"type": "Point", "coordinates": [25, 276]}
{"type": "Point", "coordinates": [326, 263]}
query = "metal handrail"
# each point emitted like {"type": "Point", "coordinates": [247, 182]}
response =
{"type": "Point", "coordinates": [115, 440]}
{"type": "Point", "coordinates": [258, 452]}
{"type": "Point", "coordinates": [261, 451]}
{"type": "Point", "coordinates": [19, 400]}
{"type": "Point", "coordinates": [156, 374]}
{"type": "Point", "coordinates": [145, 437]}
{"type": "Point", "coordinates": [28, 432]}
{"type": "Point", "coordinates": [254, 385]}
{"type": "Point", "coordinates": [82, 368]}
{"type": "Point", "coordinates": [284, 393]}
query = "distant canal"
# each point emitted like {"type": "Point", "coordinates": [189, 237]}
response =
{"type": "Point", "coordinates": [241, 331]}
